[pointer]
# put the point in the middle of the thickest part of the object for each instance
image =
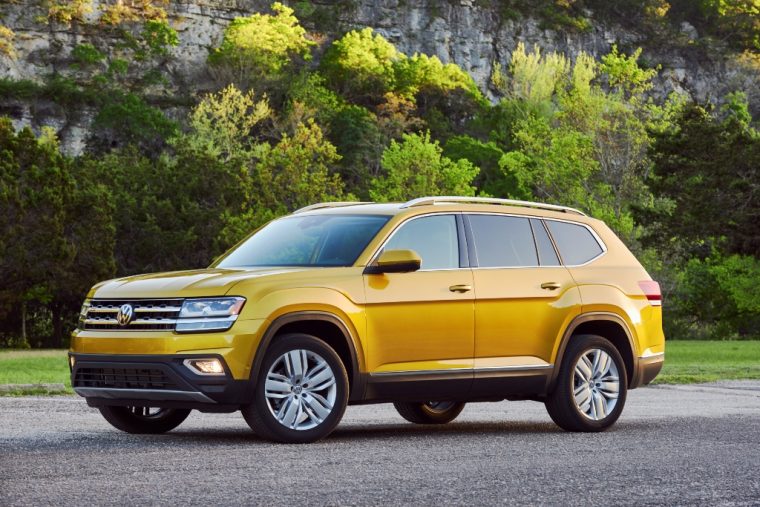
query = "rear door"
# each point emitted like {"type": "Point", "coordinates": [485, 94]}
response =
{"type": "Point", "coordinates": [524, 297]}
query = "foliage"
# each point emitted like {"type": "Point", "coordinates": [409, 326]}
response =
{"type": "Point", "coordinates": [87, 54]}
{"type": "Point", "coordinates": [261, 45]}
{"type": "Point", "coordinates": [126, 119]}
{"type": "Point", "coordinates": [222, 123]}
{"type": "Point", "coordinates": [717, 297]}
{"type": "Point", "coordinates": [51, 213]}
{"type": "Point", "coordinates": [703, 164]}
{"type": "Point", "coordinates": [573, 141]}
{"type": "Point", "coordinates": [416, 166]}
{"type": "Point", "coordinates": [6, 42]}
{"type": "Point", "coordinates": [295, 172]}
{"type": "Point", "coordinates": [68, 11]}
{"type": "Point", "coordinates": [130, 11]}
{"type": "Point", "coordinates": [361, 64]}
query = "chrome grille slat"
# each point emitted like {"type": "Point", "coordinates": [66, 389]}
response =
{"type": "Point", "coordinates": [150, 314]}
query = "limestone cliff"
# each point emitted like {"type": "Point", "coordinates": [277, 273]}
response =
{"type": "Point", "coordinates": [472, 34]}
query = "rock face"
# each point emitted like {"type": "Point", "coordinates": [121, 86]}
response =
{"type": "Point", "coordinates": [472, 34]}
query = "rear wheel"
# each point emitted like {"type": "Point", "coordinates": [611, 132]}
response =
{"type": "Point", "coordinates": [145, 420]}
{"type": "Point", "coordinates": [592, 386]}
{"type": "Point", "coordinates": [429, 412]}
{"type": "Point", "coordinates": [301, 392]}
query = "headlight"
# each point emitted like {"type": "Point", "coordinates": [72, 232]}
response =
{"type": "Point", "coordinates": [209, 314]}
{"type": "Point", "coordinates": [83, 313]}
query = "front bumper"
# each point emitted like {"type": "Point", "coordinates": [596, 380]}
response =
{"type": "Point", "coordinates": [155, 381]}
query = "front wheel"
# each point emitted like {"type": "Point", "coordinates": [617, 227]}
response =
{"type": "Point", "coordinates": [301, 392]}
{"type": "Point", "coordinates": [144, 420]}
{"type": "Point", "coordinates": [591, 388]}
{"type": "Point", "coordinates": [429, 412]}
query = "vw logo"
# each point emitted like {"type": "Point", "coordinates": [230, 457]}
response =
{"type": "Point", "coordinates": [124, 315]}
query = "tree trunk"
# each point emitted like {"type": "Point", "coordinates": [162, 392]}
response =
{"type": "Point", "coordinates": [24, 340]}
{"type": "Point", "coordinates": [57, 325]}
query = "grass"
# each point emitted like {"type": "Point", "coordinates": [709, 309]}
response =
{"type": "Point", "coordinates": [34, 367]}
{"type": "Point", "coordinates": [686, 362]}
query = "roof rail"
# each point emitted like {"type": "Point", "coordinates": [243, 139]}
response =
{"type": "Point", "coordinates": [323, 205]}
{"type": "Point", "coordinates": [424, 201]}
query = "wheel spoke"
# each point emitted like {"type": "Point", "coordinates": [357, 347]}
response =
{"type": "Point", "coordinates": [318, 374]}
{"type": "Point", "coordinates": [600, 406]}
{"type": "Point", "coordinates": [582, 397]}
{"type": "Point", "coordinates": [602, 365]}
{"type": "Point", "coordinates": [289, 415]}
{"type": "Point", "coordinates": [583, 368]}
{"type": "Point", "coordinates": [318, 404]}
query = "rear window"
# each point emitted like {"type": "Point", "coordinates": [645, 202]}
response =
{"type": "Point", "coordinates": [575, 242]}
{"type": "Point", "coordinates": [502, 241]}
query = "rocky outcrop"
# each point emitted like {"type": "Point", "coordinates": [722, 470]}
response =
{"type": "Point", "coordinates": [472, 34]}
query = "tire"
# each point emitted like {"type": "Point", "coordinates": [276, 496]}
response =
{"type": "Point", "coordinates": [596, 406]}
{"type": "Point", "coordinates": [430, 412]}
{"type": "Point", "coordinates": [286, 408]}
{"type": "Point", "coordinates": [144, 420]}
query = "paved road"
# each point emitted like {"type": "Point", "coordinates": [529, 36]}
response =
{"type": "Point", "coordinates": [673, 445]}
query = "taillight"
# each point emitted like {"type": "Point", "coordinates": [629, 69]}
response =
{"type": "Point", "coordinates": [652, 292]}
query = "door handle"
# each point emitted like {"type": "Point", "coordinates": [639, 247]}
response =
{"type": "Point", "coordinates": [460, 288]}
{"type": "Point", "coordinates": [550, 285]}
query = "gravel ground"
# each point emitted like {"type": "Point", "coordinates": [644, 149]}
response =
{"type": "Point", "coordinates": [696, 444]}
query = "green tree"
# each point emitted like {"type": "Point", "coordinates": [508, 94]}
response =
{"type": "Point", "coordinates": [703, 164]}
{"type": "Point", "coordinates": [295, 172]}
{"type": "Point", "coordinates": [360, 65]}
{"type": "Point", "coordinates": [416, 167]}
{"type": "Point", "coordinates": [55, 230]}
{"type": "Point", "coordinates": [260, 46]}
{"type": "Point", "coordinates": [222, 124]}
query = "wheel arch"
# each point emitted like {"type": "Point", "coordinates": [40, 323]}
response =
{"type": "Point", "coordinates": [607, 325]}
{"type": "Point", "coordinates": [325, 326]}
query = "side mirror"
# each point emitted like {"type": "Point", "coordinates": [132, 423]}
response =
{"type": "Point", "coordinates": [395, 261]}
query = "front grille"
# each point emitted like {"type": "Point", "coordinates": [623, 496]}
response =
{"type": "Point", "coordinates": [148, 314]}
{"type": "Point", "coordinates": [123, 378]}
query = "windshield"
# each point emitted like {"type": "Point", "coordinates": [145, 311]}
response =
{"type": "Point", "coordinates": [317, 240]}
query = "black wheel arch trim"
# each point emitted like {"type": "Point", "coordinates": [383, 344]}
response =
{"type": "Point", "coordinates": [592, 317]}
{"type": "Point", "coordinates": [357, 381]}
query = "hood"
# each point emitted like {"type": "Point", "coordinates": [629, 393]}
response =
{"type": "Point", "coordinates": [180, 284]}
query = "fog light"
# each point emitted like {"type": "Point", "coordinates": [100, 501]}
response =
{"type": "Point", "coordinates": [71, 362]}
{"type": "Point", "coordinates": [205, 366]}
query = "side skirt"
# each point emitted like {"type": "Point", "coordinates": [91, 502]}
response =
{"type": "Point", "coordinates": [459, 385]}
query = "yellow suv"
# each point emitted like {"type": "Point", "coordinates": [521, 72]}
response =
{"type": "Point", "coordinates": [449, 299]}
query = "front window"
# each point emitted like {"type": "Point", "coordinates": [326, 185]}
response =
{"type": "Point", "coordinates": [315, 240]}
{"type": "Point", "coordinates": [434, 238]}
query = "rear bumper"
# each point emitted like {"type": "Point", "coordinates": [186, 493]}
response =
{"type": "Point", "coordinates": [647, 369]}
{"type": "Point", "coordinates": [156, 381]}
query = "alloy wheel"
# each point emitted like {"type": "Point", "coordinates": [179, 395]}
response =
{"type": "Point", "coordinates": [596, 384]}
{"type": "Point", "coordinates": [300, 389]}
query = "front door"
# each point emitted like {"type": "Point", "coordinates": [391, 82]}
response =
{"type": "Point", "coordinates": [421, 324]}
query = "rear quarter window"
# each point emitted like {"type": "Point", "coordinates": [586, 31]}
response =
{"type": "Point", "coordinates": [576, 244]}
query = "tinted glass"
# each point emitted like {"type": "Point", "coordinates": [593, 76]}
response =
{"type": "Point", "coordinates": [546, 254]}
{"type": "Point", "coordinates": [503, 241]}
{"type": "Point", "coordinates": [317, 240]}
{"type": "Point", "coordinates": [576, 244]}
{"type": "Point", "coordinates": [434, 238]}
